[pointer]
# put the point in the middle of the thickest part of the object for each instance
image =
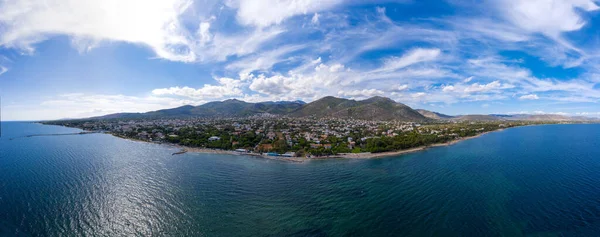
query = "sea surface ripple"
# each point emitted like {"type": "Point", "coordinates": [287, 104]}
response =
{"type": "Point", "coordinates": [527, 181]}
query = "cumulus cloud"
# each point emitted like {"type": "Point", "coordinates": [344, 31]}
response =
{"type": "Point", "coordinates": [550, 17]}
{"type": "Point", "coordinates": [359, 94]}
{"type": "Point", "coordinates": [495, 85]}
{"type": "Point", "coordinates": [306, 84]}
{"type": "Point", "coordinates": [448, 88]}
{"type": "Point", "coordinates": [529, 97]}
{"type": "Point", "coordinates": [226, 87]}
{"type": "Point", "coordinates": [400, 88]}
{"type": "Point", "coordinates": [266, 49]}
{"type": "Point", "coordinates": [275, 85]}
{"type": "Point", "coordinates": [154, 24]}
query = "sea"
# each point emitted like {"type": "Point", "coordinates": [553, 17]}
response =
{"type": "Point", "coordinates": [525, 181]}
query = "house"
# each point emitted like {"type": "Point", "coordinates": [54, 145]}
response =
{"type": "Point", "coordinates": [159, 135]}
{"type": "Point", "coordinates": [214, 138]}
{"type": "Point", "coordinates": [265, 147]}
{"type": "Point", "coordinates": [327, 146]}
{"type": "Point", "coordinates": [315, 146]}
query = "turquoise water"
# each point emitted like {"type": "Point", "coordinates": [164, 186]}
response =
{"type": "Point", "coordinates": [528, 181]}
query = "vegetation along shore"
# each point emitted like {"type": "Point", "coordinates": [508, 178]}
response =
{"type": "Point", "coordinates": [327, 128]}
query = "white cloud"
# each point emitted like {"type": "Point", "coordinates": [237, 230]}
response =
{"type": "Point", "coordinates": [400, 88]}
{"type": "Point", "coordinates": [448, 88]}
{"type": "Point", "coordinates": [3, 70]}
{"type": "Point", "coordinates": [263, 61]}
{"type": "Point", "coordinates": [529, 97]}
{"type": "Point", "coordinates": [275, 85]}
{"type": "Point", "coordinates": [157, 24]}
{"type": "Point", "coordinates": [226, 87]}
{"type": "Point", "coordinates": [495, 68]}
{"type": "Point", "coordinates": [307, 84]}
{"type": "Point", "coordinates": [154, 24]}
{"type": "Point", "coordinates": [418, 95]}
{"type": "Point", "coordinates": [221, 46]}
{"type": "Point", "coordinates": [495, 85]}
{"type": "Point", "coordinates": [263, 13]}
{"type": "Point", "coordinates": [550, 17]}
{"type": "Point", "coordinates": [486, 29]}
{"type": "Point", "coordinates": [315, 19]}
{"type": "Point", "coordinates": [359, 94]}
{"type": "Point", "coordinates": [204, 35]}
{"type": "Point", "coordinates": [263, 49]}
{"type": "Point", "coordinates": [414, 56]}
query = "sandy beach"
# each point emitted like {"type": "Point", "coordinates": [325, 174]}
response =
{"type": "Point", "coordinates": [368, 155]}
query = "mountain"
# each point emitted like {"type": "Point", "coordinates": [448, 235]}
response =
{"type": "Point", "coordinates": [227, 108]}
{"type": "Point", "coordinates": [477, 117]}
{"type": "Point", "coordinates": [543, 117]}
{"type": "Point", "coordinates": [523, 117]}
{"type": "Point", "coordinates": [433, 115]}
{"type": "Point", "coordinates": [375, 108]}
{"type": "Point", "coordinates": [238, 108]}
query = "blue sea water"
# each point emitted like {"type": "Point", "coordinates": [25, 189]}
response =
{"type": "Point", "coordinates": [527, 181]}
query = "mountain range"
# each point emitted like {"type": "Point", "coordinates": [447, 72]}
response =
{"type": "Point", "coordinates": [227, 108]}
{"type": "Point", "coordinates": [504, 117]}
{"type": "Point", "coordinates": [375, 108]}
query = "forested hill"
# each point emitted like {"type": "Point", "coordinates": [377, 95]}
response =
{"type": "Point", "coordinates": [376, 109]}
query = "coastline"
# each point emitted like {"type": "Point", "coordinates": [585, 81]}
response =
{"type": "Point", "coordinates": [237, 153]}
{"type": "Point", "coordinates": [405, 151]}
{"type": "Point", "coordinates": [364, 155]}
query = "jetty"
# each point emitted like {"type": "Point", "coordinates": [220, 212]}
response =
{"type": "Point", "coordinates": [55, 134]}
{"type": "Point", "coordinates": [183, 151]}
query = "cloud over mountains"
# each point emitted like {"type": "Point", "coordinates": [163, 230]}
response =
{"type": "Point", "coordinates": [490, 52]}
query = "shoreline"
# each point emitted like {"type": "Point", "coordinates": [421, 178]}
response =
{"type": "Point", "coordinates": [364, 155]}
{"type": "Point", "coordinates": [237, 153]}
{"type": "Point", "coordinates": [405, 151]}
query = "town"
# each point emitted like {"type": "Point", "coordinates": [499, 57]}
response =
{"type": "Point", "coordinates": [284, 136]}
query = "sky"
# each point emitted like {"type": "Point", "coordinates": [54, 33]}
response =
{"type": "Point", "coordinates": [76, 59]}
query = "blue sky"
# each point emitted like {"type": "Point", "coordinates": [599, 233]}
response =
{"type": "Point", "coordinates": [73, 59]}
